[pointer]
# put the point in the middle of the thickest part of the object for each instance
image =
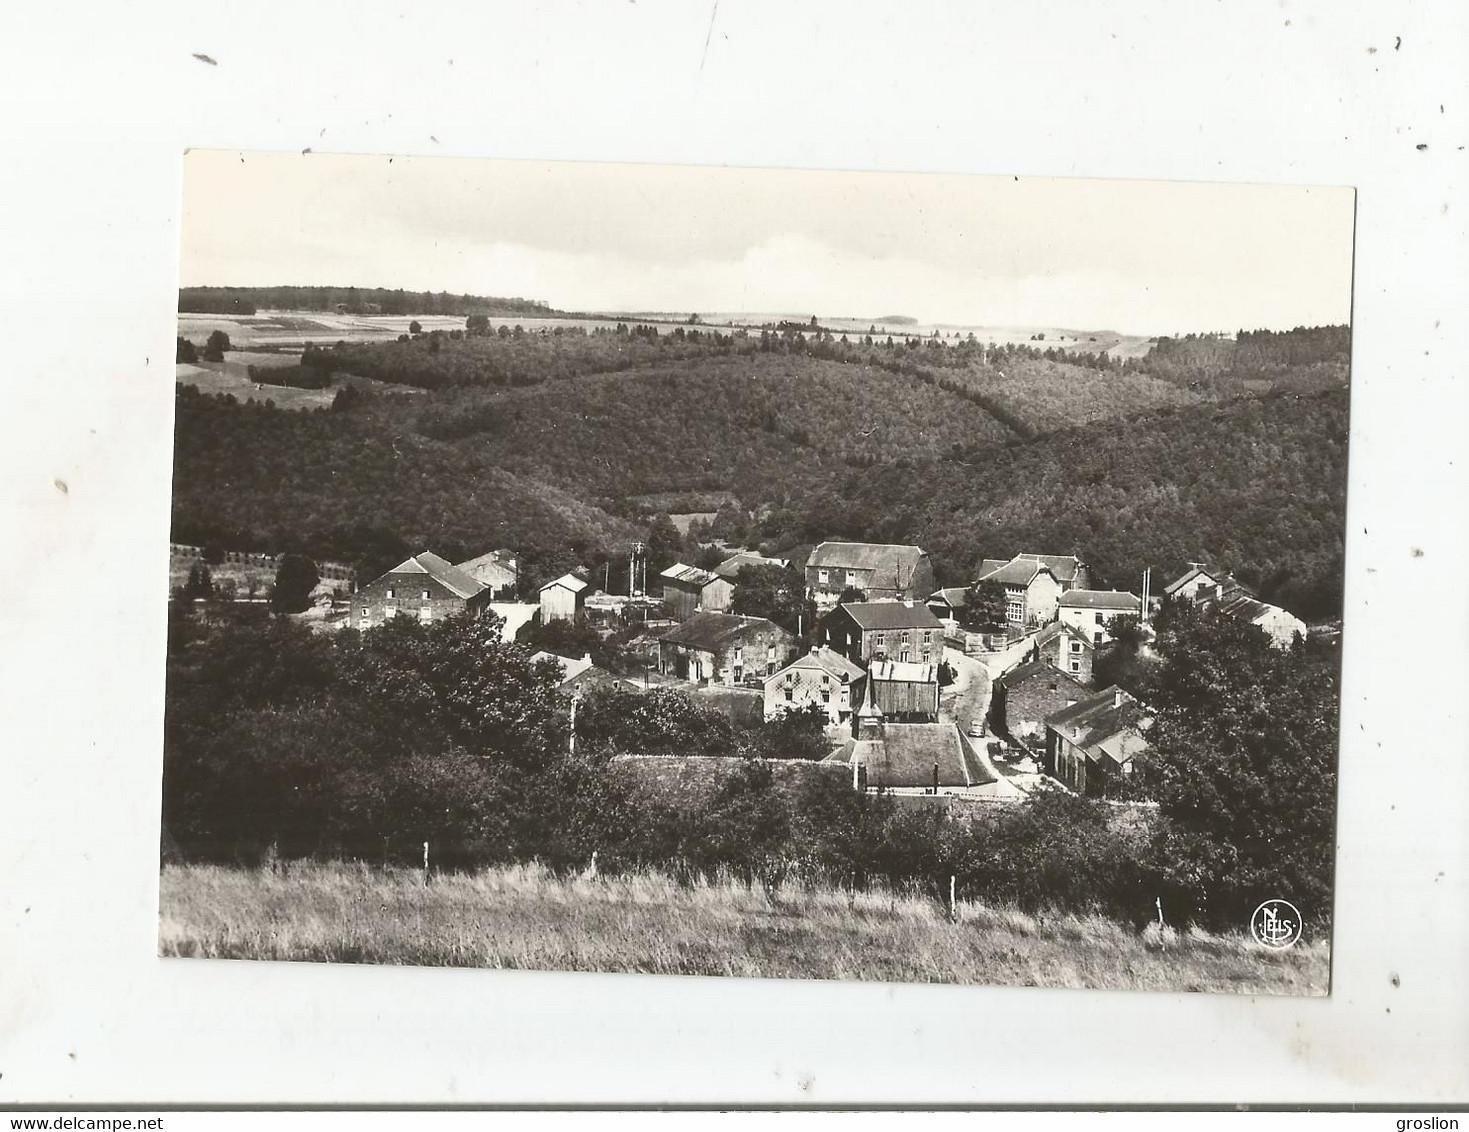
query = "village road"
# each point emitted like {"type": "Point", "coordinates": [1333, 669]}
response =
{"type": "Point", "coordinates": [968, 698]}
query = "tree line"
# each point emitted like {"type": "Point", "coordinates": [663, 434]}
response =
{"type": "Point", "coordinates": [356, 300]}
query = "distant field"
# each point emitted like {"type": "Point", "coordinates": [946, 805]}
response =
{"type": "Point", "coordinates": [523, 917]}
{"type": "Point", "coordinates": [233, 376]}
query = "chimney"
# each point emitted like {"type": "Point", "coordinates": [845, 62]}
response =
{"type": "Point", "coordinates": [586, 658]}
{"type": "Point", "coordinates": [1117, 698]}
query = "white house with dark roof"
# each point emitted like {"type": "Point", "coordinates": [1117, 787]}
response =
{"type": "Point", "coordinates": [821, 677]}
{"type": "Point", "coordinates": [880, 570]}
{"type": "Point", "coordinates": [1092, 612]}
{"type": "Point", "coordinates": [1210, 587]}
{"type": "Point", "coordinates": [1031, 589]}
{"type": "Point", "coordinates": [424, 587]}
{"type": "Point", "coordinates": [1070, 572]}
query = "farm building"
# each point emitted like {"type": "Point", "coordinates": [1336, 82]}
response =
{"type": "Point", "coordinates": [948, 604]}
{"type": "Point", "coordinates": [1092, 612]}
{"type": "Point", "coordinates": [687, 590]}
{"type": "Point", "coordinates": [730, 568]}
{"type": "Point", "coordinates": [904, 690]}
{"type": "Point", "coordinates": [817, 677]}
{"type": "Point", "coordinates": [880, 570]}
{"type": "Point", "coordinates": [908, 755]}
{"type": "Point", "coordinates": [1200, 576]}
{"type": "Point", "coordinates": [1092, 743]}
{"type": "Point", "coordinates": [897, 630]}
{"type": "Point", "coordinates": [563, 599]}
{"type": "Point", "coordinates": [424, 586]}
{"type": "Point", "coordinates": [721, 648]}
{"type": "Point", "coordinates": [498, 571]}
{"type": "Point", "coordinates": [1031, 590]}
{"type": "Point", "coordinates": [1024, 698]}
{"type": "Point", "coordinates": [1223, 591]}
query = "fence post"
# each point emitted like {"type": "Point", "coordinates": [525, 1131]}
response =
{"type": "Point", "coordinates": [425, 864]}
{"type": "Point", "coordinates": [953, 906]}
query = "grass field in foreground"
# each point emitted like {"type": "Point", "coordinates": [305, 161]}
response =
{"type": "Point", "coordinates": [524, 917]}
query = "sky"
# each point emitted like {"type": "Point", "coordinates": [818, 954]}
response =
{"type": "Point", "coordinates": [1137, 257]}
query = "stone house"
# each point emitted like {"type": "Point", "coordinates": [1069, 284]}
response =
{"type": "Point", "coordinates": [880, 570]}
{"type": "Point", "coordinates": [425, 587]}
{"type": "Point", "coordinates": [1066, 648]}
{"type": "Point", "coordinates": [1093, 743]}
{"type": "Point", "coordinates": [1031, 591]}
{"type": "Point", "coordinates": [894, 630]}
{"type": "Point", "coordinates": [1026, 697]}
{"type": "Point", "coordinates": [722, 648]}
{"type": "Point", "coordinates": [498, 571]}
{"type": "Point", "coordinates": [820, 676]}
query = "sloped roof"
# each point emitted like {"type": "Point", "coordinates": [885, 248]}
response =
{"type": "Point", "coordinates": [1100, 724]}
{"type": "Point", "coordinates": [1063, 567]}
{"type": "Point", "coordinates": [455, 580]}
{"type": "Point", "coordinates": [688, 575]}
{"type": "Point", "coordinates": [864, 555]}
{"type": "Point", "coordinates": [871, 615]}
{"type": "Point", "coordinates": [826, 660]}
{"type": "Point", "coordinates": [570, 669]}
{"type": "Point", "coordinates": [1030, 668]}
{"type": "Point", "coordinates": [1101, 599]}
{"type": "Point", "coordinates": [1016, 572]}
{"type": "Point", "coordinates": [709, 631]}
{"type": "Point", "coordinates": [495, 568]}
{"type": "Point", "coordinates": [906, 753]}
{"type": "Point", "coordinates": [904, 671]}
{"type": "Point", "coordinates": [567, 581]}
{"type": "Point", "coordinates": [1056, 629]}
{"type": "Point", "coordinates": [731, 567]}
{"type": "Point", "coordinates": [955, 597]}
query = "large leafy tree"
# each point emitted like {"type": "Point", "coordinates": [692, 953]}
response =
{"type": "Point", "coordinates": [1243, 767]}
{"type": "Point", "coordinates": [774, 592]}
{"type": "Point", "coordinates": [295, 578]}
{"type": "Point", "coordinates": [984, 606]}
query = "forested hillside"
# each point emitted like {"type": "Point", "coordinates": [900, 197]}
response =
{"type": "Point", "coordinates": [357, 300]}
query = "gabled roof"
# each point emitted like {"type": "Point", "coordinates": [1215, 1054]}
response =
{"type": "Point", "coordinates": [825, 660]}
{"type": "Point", "coordinates": [497, 567]}
{"type": "Point", "coordinates": [906, 754]}
{"type": "Point", "coordinates": [453, 579]}
{"type": "Point", "coordinates": [1043, 668]}
{"type": "Point", "coordinates": [731, 567]}
{"type": "Point", "coordinates": [1063, 567]}
{"type": "Point", "coordinates": [709, 631]}
{"type": "Point", "coordinates": [865, 555]}
{"type": "Point", "coordinates": [870, 615]}
{"type": "Point", "coordinates": [1101, 599]}
{"type": "Point", "coordinates": [1016, 572]}
{"type": "Point", "coordinates": [952, 596]}
{"type": "Point", "coordinates": [688, 575]}
{"type": "Point", "coordinates": [1056, 629]}
{"type": "Point", "coordinates": [570, 669]}
{"type": "Point", "coordinates": [904, 671]}
{"type": "Point", "coordinates": [566, 581]}
{"type": "Point", "coordinates": [1109, 723]}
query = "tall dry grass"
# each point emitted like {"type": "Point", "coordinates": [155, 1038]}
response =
{"type": "Point", "coordinates": [525, 917]}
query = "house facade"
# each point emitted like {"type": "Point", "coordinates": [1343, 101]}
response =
{"type": "Point", "coordinates": [425, 587]}
{"type": "Point", "coordinates": [882, 571]}
{"type": "Point", "coordinates": [1091, 612]}
{"type": "Point", "coordinates": [1091, 745]}
{"type": "Point", "coordinates": [1070, 572]}
{"type": "Point", "coordinates": [1220, 589]}
{"type": "Point", "coordinates": [1026, 697]}
{"type": "Point", "coordinates": [1031, 591]}
{"type": "Point", "coordinates": [1066, 648]}
{"type": "Point", "coordinates": [903, 690]}
{"type": "Point", "coordinates": [563, 599]}
{"type": "Point", "coordinates": [893, 630]}
{"type": "Point", "coordinates": [820, 677]}
{"type": "Point", "coordinates": [722, 648]}
{"type": "Point", "coordinates": [688, 589]}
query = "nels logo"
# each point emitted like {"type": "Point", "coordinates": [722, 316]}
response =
{"type": "Point", "coordinates": [1276, 923]}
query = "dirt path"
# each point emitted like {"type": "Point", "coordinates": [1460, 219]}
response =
{"type": "Point", "coordinates": [968, 698]}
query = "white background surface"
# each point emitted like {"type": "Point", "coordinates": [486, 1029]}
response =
{"type": "Point", "coordinates": [99, 103]}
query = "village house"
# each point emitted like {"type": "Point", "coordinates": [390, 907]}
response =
{"type": "Point", "coordinates": [1092, 612]}
{"type": "Point", "coordinates": [424, 586]}
{"type": "Point", "coordinates": [893, 630]}
{"type": "Point", "coordinates": [730, 568]}
{"type": "Point", "coordinates": [1026, 697]}
{"type": "Point", "coordinates": [1065, 647]}
{"type": "Point", "coordinates": [497, 571]}
{"type": "Point", "coordinates": [576, 674]}
{"type": "Point", "coordinates": [879, 570]}
{"type": "Point", "coordinates": [1031, 590]}
{"type": "Point", "coordinates": [563, 599]}
{"type": "Point", "coordinates": [1070, 572]}
{"type": "Point", "coordinates": [904, 690]}
{"type": "Point", "coordinates": [722, 648]}
{"type": "Point", "coordinates": [688, 589]}
{"type": "Point", "coordinates": [948, 604]}
{"type": "Point", "coordinates": [902, 756]}
{"type": "Point", "coordinates": [1206, 587]}
{"type": "Point", "coordinates": [820, 676]}
{"type": "Point", "coordinates": [1092, 743]}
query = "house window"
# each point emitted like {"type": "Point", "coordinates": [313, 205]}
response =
{"type": "Point", "coordinates": [1076, 666]}
{"type": "Point", "coordinates": [1097, 636]}
{"type": "Point", "coordinates": [739, 674]}
{"type": "Point", "coordinates": [789, 695]}
{"type": "Point", "coordinates": [822, 576]}
{"type": "Point", "coordinates": [1075, 646]}
{"type": "Point", "coordinates": [1015, 611]}
{"type": "Point", "coordinates": [905, 636]}
{"type": "Point", "coordinates": [927, 654]}
{"type": "Point", "coordinates": [366, 612]}
{"type": "Point", "coordinates": [903, 656]}
{"type": "Point", "coordinates": [425, 614]}
{"type": "Point", "coordinates": [851, 577]}
{"type": "Point", "coordinates": [739, 653]}
{"type": "Point", "coordinates": [826, 695]}
{"type": "Point", "coordinates": [392, 593]}
{"type": "Point", "coordinates": [426, 595]}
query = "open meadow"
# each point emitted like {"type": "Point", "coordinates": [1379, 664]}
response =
{"type": "Point", "coordinates": [523, 916]}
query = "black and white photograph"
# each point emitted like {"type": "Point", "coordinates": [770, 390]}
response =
{"type": "Point", "coordinates": [678, 570]}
